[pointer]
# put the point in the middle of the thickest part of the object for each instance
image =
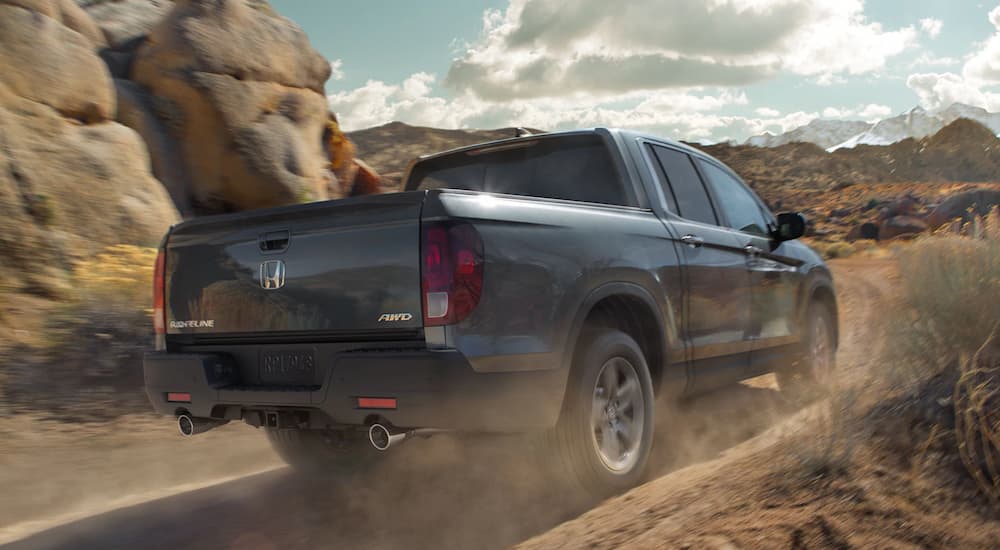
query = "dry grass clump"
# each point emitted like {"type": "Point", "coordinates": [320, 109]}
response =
{"type": "Point", "coordinates": [946, 379]}
{"type": "Point", "coordinates": [120, 276]}
{"type": "Point", "coordinates": [88, 366]}
{"type": "Point", "coordinates": [834, 250]}
{"type": "Point", "coordinates": [977, 417]}
{"type": "Point", "coordinates": [951, 294]}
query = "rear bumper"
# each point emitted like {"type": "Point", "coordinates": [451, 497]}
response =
{"type": "Point", "coordinates": [433, 389]}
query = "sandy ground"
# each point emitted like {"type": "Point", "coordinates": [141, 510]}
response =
{"type": "Point", "coordinates": [137, 484]}
{"type": "Point", "coordinates": [52, 472]}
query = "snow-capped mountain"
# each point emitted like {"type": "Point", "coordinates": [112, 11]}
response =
{"type": "Point", "coordinates": [825, 133]}
{"type": "Point", "coordinates": [980, 115]}
{"type": "Point", "coordinates": [915, 123]}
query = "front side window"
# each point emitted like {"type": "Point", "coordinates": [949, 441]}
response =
{"type": "Point", "coordinates": [741, 209]}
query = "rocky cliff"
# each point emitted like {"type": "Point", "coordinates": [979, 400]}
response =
{"type": "Point", "coordinates": [72, 180]}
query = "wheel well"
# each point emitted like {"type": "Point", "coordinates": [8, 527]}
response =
{"type": "Point", "coordinates": [633, 317]}
{"type": "Point", "coordinates": [824, 295]}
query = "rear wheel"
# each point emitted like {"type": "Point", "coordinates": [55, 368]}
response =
{"type": "Point", "coordinates": [605, 432]}
{"type": "Point", "coordinates": [318, 452]}
{"type": "Point", "coordinates": [812, 375]}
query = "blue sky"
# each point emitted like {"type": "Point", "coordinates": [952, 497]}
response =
{"type": "Point", "coordinates": [688, 69]}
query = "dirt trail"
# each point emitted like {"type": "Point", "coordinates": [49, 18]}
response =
{"type": "Point", "coordinates": [483, 494]}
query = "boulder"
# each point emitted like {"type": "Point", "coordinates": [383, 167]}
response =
{"type": "Point", "coordinates": [123, 22]}
{"type": "Point", "coordinates": [67, 190]}
{"type": "Point", "coordinates": [44, 61]}
{"type": "Point", "coordinates": [66, 12]}
{"type": "Point", "coordinates": [135, 110]}
{"type": "Point", "coordinates": [864, 231]}
{"type": "Point", "coordinates": [964, 206]}
{"type": "Point", "coordinates": [901, 226]}
{"type": "Point", "coordinates": [240, 89]}
{"type": "Point", "coordinates": [905, 206]}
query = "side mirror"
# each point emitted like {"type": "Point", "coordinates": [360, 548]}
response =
{"type": "Point", "coordinates": [791, 226]}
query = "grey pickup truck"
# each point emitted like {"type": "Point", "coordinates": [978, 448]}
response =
{"type": "Point", "coordinates": [559, 284]}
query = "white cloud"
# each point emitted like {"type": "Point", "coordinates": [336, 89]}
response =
{"type": "Point", "coordinates": [931, 26]}
{"type": "Point", "coordinates": [336, 69]}
{"type": "Point", "coordinates": [928, 59]}
{"type": "Point", "coordinates": [553, 48]}
{"type": "Point", "coordinates": [977, 83]}
{"type": "Point", "coordinates": [767, 112]}
{"type": "Point", "coordinates": [689, 115]}
{"type": "Point", "coordinates": [871, 111]}
{"type": "Point", "coordinates": [874, 111]}
{"type": "Point", "coordinates": [940, 90]}
{"type": "Point", "coordinates": [984, 65]}
{"type": "Point", "coordinates": [377, 103]}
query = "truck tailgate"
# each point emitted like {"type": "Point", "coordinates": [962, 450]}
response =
{"type": "Point", "coordinates": [347, 268]}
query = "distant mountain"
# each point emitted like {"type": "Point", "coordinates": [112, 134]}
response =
{"type": "Point", "coordinates": [825, 133]}
{"type": "Point", "coordinates": [980, 115]}
{"type": "Point", "coordinates": [963, 151]}
{"type": "Point", "coordinates": [916, 123]}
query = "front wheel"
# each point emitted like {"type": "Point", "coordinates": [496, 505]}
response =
{"type": "Point", "coordinates": [605, 433]}
{"type": "Point", "coordinates": [812, 375]}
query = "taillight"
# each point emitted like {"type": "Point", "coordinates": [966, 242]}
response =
{"type": "Point", "coordinates": [159, 288]}
{"type": "Point", "coordinates": [451, 273]}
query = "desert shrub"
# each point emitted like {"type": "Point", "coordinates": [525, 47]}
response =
{"type": "Point", "coordinates": [943, 359]}
{"type": "Point", "coordinates": [839, 249]}
{"type": "Point", "coordinates": [90, 365]}
{"type": "Point", "coordinates": [977, 417]}
{"type": "Point", "coordinates": [120, 277]}
{"type": "Point", "coordinates": [950, 289]}
{"type": "Point", "coordinates": [833, 250]}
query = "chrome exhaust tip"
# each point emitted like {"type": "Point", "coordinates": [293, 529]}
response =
{"type": "Point", "coordinates": [192, 425]}
{"type": "Point", "coordinates": [382, 438]}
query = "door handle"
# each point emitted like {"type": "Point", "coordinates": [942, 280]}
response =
{"type": "Point", "coordinates": [693, 241]}
{"type": "Point", "coordinates": [752, 250]}
{"type": "Point", "coordinates": [275, 241]}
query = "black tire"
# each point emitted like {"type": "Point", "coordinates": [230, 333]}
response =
{"type": "Point", "coordinates": [324, 453]}
{"type": "Point", "coordinates": [575, 447]}
{"type": "Point", "coordinates": [811, 375]}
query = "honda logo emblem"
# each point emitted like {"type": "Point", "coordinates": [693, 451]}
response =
{"type": "Point", "coordinates": [272, 274]}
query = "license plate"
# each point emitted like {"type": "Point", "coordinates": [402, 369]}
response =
{"type": "Point", "coordinates": [288, 367]}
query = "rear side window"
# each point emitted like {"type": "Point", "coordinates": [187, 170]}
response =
{"type": "Point", "coordinates": [577, 168]}
{"type": "Point", "coordinates": [683, 181]}
{"type": "Point", "coordinates": [742, 210]}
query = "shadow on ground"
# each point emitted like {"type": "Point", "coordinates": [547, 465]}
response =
{"type": "Point", "coordinates": [441, 492]}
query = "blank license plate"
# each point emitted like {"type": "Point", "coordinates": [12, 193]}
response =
{"type": "Point", "coordinates": [294, 368]}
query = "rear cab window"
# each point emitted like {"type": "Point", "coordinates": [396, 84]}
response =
{"type": "Point", "coordinates": [576, 168]}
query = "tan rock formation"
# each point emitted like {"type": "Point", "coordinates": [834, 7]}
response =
{"type": "Point", "coordinates": [240, 90]}
{"type": "Point", "coordinates": [46, 61]}
{"type": "Point", "coordinates": [71, 180]}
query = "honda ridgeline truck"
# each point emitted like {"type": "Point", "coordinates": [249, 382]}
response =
{"type": "Point", "coordinates": [555, 283]}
